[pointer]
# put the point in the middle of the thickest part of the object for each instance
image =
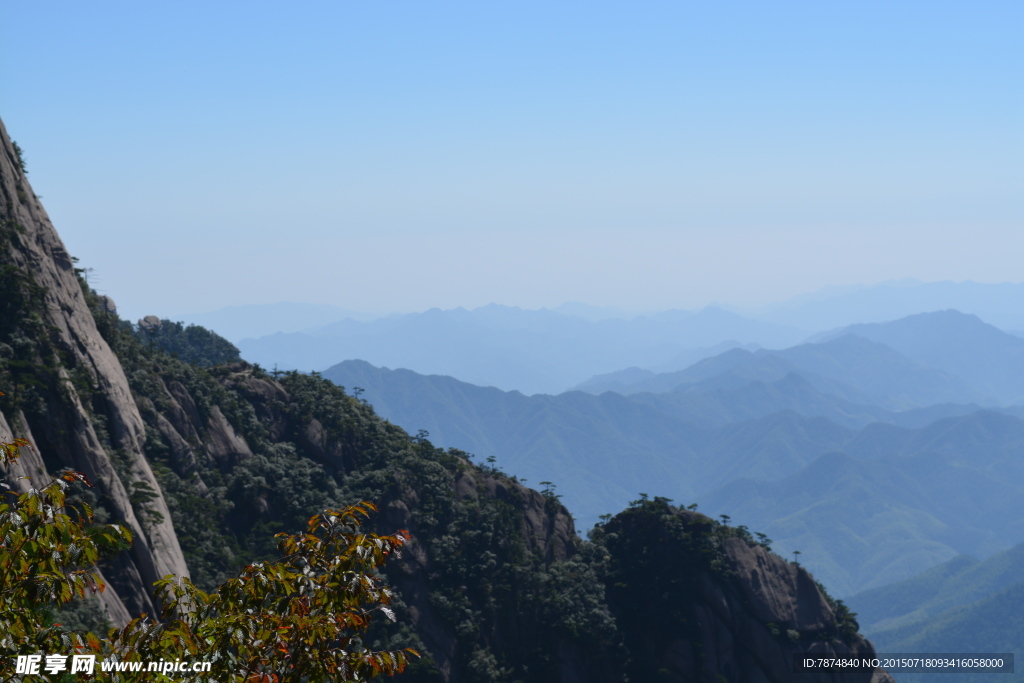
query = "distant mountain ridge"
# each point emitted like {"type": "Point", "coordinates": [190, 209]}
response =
{"type": "Point", "coordinates": [626, 381]}
{"type": "Point", "coordinates": [511, 348]}
{"type": "Point", "coordinates": [957, 343]}
{"type": "Point", "coordinates": [236, 323]}
{"type": "Point", "coordinates": [849, 367]}
{"type": "Point", "coordinates": [825, 309]}
{"type": "Point", "coordinates": [833, 307]}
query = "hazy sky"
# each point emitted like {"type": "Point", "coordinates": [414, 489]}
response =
{"type": "Point", "coordinates": [393, 156]}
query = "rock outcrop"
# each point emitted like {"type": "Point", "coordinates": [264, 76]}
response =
{"type": "Point", "coordinates": [700, 601]}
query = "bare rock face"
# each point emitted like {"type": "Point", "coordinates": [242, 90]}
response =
{"type": "Point", "coordinates": [777, 591]}
{"type": "Point", "coordinates": [546, 527]}
{"type": "Point", "coordinates": [66, 426]}
{"type": "Point", "coordinates": [224, 444]}
{"type": "Point", "coordinates": [29, 471]}
{"type": "Point", "coordinates": [108, 305]}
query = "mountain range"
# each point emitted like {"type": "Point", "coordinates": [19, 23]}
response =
{"type": "Point", "coordinates": [920, 360]}
{"type": "Point", "coordinates": [826, 309]}
{"type": "Point", "coordinates": [786, 441]}
{"type": "Point", "coordinates": [850, 367]}
{"type": "Point", "coordinates": [515, 349]}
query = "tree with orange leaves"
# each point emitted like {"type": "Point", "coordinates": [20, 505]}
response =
{"type": "Point", "coordinates": [299, 618]}
{"type": "Point", "coordinates": [48, 555]}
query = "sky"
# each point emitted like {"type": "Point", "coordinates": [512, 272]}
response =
{"type": "Point", "coordinates": [392, 157]}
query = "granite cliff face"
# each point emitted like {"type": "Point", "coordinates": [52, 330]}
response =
{"type": "Point", "coordinates": [56, 331]}
{"type": "Point", "coordinates": [204, 464]}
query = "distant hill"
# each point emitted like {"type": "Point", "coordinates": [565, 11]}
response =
{"type": "Point", "coordinates": [963, 345]}
{"type": "Point", "coordinates": [999, 304]}
{"type": "Point", "coordinates": [631, 380]}
{"type": "Point", "coordinates": [573, 439]}
{"type": "Point", "coordinates": [849, 367]}
{"type": "Point", "coordinates": [510, 348]}
{"type": "Point", "coordinates": [882, 370]}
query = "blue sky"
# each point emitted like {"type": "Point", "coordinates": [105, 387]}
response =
{"type": "Point", "coordinates": [397, 156]}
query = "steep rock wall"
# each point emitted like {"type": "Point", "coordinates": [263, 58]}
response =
{"type": "Point", "coordinates": [64, 421]}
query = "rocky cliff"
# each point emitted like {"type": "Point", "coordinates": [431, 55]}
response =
{"type": "Point", "coordinates": [206, 460]}
{"type": "Point", "coordinates": [67, 392]}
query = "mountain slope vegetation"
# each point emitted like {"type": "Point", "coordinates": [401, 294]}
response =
{"type": "Point", "coordinates": [921, 599]}
{"type": "Point", "coordinates": [994, 624]}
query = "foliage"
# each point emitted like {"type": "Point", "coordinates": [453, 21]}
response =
{"type": "Point", "coordinates": [224, 512]}
{"type": "Point", "coordinates": [299, 618]}
{"type": "Point", "coordinates": [654, 552]}
{"type": "Point", "coordinates": [20, 155]}
{"type": "Point", "coordinates": [47, 557]}
{"type": "Point", "coordinates": [846, 620]}
{"type": "Point", "coordinates": [26, 355]}
{"type": "Point", "coordinates": [193, 344]}
{"type": "Point", "coordinates": [475, 558]}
